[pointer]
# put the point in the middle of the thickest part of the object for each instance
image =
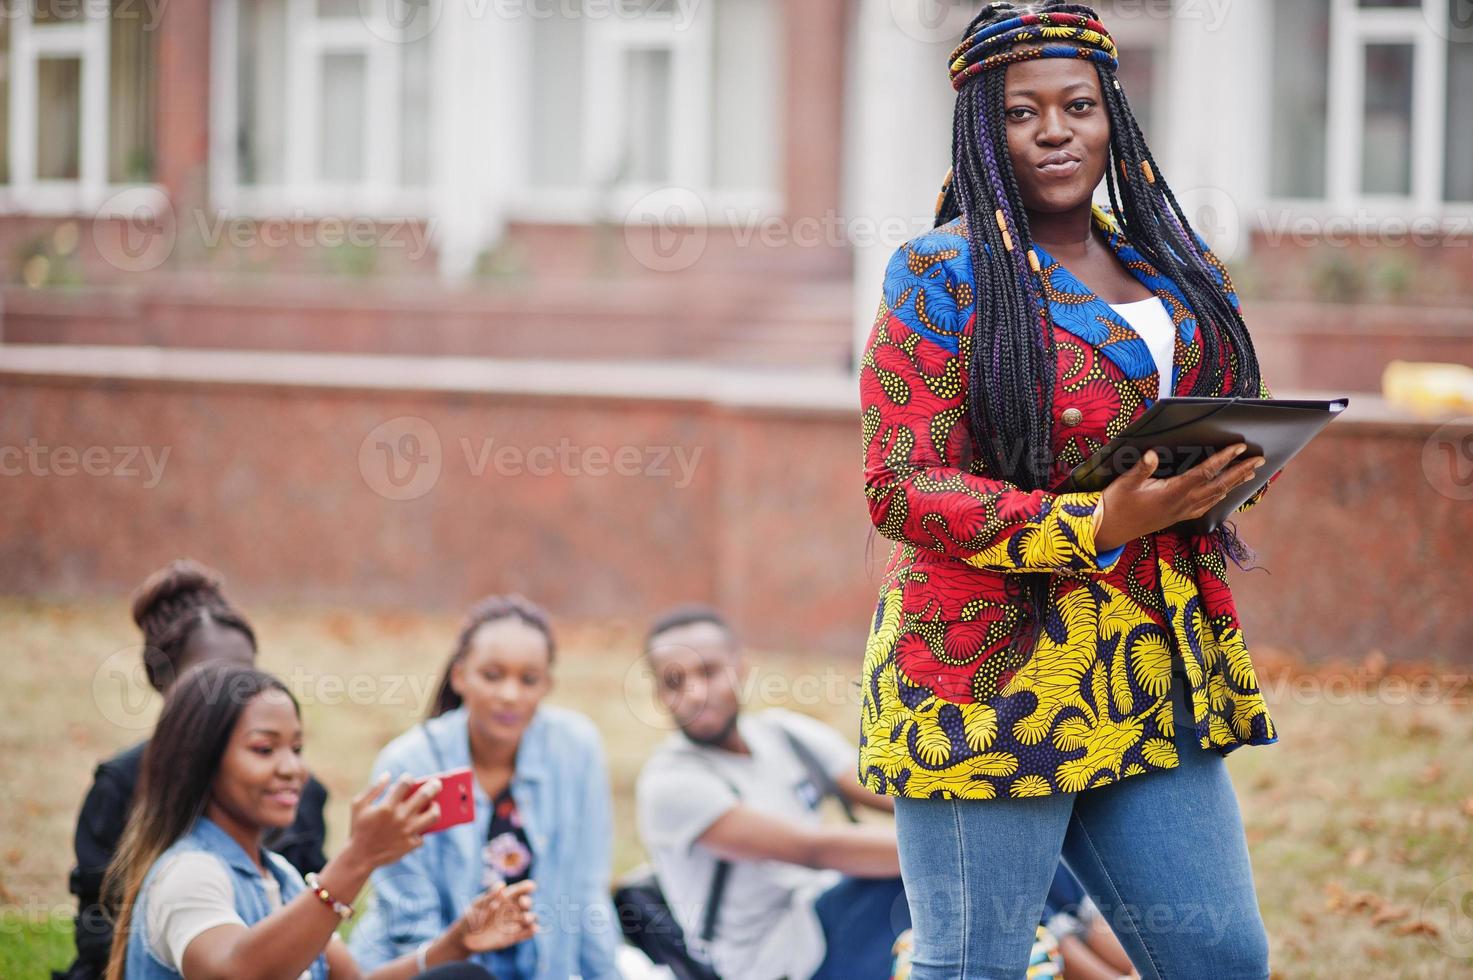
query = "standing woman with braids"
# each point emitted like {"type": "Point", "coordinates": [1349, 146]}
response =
{"type": "Point", "coordinates": [185, 620]}
{"type": "Point", "coordinates": [543, 809]}
{"type": "Point", "coordinates": [1052, 673]}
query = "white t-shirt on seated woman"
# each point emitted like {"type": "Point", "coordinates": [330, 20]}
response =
{"type": "Point", "coordinates": [190, 895]}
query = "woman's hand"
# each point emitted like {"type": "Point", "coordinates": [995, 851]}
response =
{"type": "Point", "coordinates": [498, 918]}
{"type": "Point", "coordinates": [382, 832]}
{"type": "Point", "coordinates": [1137, 503]}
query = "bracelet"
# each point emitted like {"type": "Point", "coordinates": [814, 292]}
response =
{"type": "Point", "coordinates": [421, 956]}
{"type": "Point", "coordinates": [342, 910]}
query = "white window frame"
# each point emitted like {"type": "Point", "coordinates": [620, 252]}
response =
{"type": "Point", "coordinates": [606, 41]}
{"type": "Point", "coordinates": [1352, 27]}
{"type": "Point", "coordinates": [85, 39]}
{"type": "Point", "coordinates": [301, 192]}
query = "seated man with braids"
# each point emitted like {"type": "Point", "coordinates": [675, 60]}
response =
{"type": "Point", "coordinates": [185, 620]}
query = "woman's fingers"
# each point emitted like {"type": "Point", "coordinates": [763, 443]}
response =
{"type": "Point", "coordinates": [371, 791]}
{"type": "Point", "coordinates": [420, 798]}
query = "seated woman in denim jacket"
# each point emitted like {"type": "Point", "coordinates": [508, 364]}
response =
{"type": "Point", "coordinates": [542, 807]}
{"type": "Point", "coordinates": [185, 620]}
{"type": "Point", "coordinates": [198, 896]}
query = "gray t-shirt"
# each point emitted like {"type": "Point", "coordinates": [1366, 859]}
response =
{"type": "Point", "coordinates": [767, 927]}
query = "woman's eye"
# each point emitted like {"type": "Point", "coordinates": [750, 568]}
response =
{"type": "Point", "coordinates": [1017, 113]}
{"type": "Point", "coordinates": [262, 749]}
{"type": "Point", "coordinates": [1081, 104]}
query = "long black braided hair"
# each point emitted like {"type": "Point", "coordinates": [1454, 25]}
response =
{"type": "Point", "coordinates": [1012, 368]}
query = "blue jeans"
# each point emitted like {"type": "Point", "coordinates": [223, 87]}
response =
{"type": "Point", "coordinates": [861, 918]}
{"type": "Point", "coordinates": [1162, 854]}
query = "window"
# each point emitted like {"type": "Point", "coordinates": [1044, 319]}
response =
{"type": "Point", "coordinates": [326, 107]}
{"type": "Point", "coordinates": [1301, 91]}
{"type": "Point", "coordinates": [76, 102]}
{"type": "Point", "coordinates": [636, 96]}
{"type": "Point", "coordinates": [1365, 107]}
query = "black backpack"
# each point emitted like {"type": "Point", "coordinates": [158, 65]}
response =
{"type": "Point", "coordinates": [645, 917]}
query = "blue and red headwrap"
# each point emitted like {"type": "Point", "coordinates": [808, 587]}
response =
{"type": "Point", "coordinates": [1043, 35]}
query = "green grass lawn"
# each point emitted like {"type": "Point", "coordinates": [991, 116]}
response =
{"type": "Point", "coordinates": [1360, 818]}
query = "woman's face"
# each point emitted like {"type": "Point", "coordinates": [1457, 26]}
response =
{"type": "Point", "coordinates": [1058, 132]}
{"type": "Point", "coordinates": [503, 677]}
{"type": "Point", "coordinates": [261, 774]}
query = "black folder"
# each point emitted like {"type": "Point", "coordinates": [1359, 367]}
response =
{"type": "Point", "coordinates": [1185, 431]}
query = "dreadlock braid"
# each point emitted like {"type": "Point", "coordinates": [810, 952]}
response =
{"type": "Point", "coordinates": [1012, 366]}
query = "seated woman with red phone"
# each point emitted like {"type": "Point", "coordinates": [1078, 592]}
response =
{"type": "Point", "coordinates": [197, 895]}
{"type": "Point", "coordinates": [538, 789]}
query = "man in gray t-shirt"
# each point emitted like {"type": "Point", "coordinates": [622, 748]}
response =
{"type": "Point", "coordinates": [803, 899]}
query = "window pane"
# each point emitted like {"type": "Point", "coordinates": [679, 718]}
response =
{"type": "Point", "coordinates": [1459, 182]}
{"type": "Point", "coordinates": [1301, 79]}
{"type": "Point", "coordinates": [130, 95]}
{"type": "Point", "coordinates": [4, 100]}
{"type": "Point", "coordinates": [645, 155]}
{"type": "Point", "coordinates": [415, 107]}
{"type": "Point", "coordinates": [1138, 80]}
{"type": "Point", "coordinates": [557, 101]}
{"type": "Point", "coordinates": [1386, 155]}
{"type": "Point", "coordinates": [58, 118]}
{"type": "Point", "coordinates": [261, 105]}
{"type": "Point", "coordinates": [746, 95]}
{"type": "Point", "coordinates": [341, 113]}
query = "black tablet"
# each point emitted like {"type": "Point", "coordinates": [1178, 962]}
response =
{"type": "Point", "coordinates": [1184, 431]}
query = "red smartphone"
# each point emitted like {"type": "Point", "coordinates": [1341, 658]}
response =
{"type": "Point", "coordinates": [457, 799]}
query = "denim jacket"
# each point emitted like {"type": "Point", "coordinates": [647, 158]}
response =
{"type": "Point", "coordinates": [561, 789]}
{"type": "Point", "coordinates": [251, 903]}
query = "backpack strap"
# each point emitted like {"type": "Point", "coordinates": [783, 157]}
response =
{"type": "Point", "coordinates": [820, 776]}
{"type": "Point", "coordinates": [826, 786]}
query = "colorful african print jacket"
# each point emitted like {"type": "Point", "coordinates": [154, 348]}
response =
{"type": "Point", "coordinates": [950, 706]}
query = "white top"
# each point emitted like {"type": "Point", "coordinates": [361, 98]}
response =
{"type": "Point", "coordinates": [1151, 319]}
{"type": "Point", "coordinates": [190, 895]}
{"type": "Point", "coordinates": [767, 926]}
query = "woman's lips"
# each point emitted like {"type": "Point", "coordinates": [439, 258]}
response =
{"type": "Point", "coordinates": [1061, 168]}
{"type": "Point", "coordinates": [507, 718]}
{"type": "Point", "coordinates": [286, 797]}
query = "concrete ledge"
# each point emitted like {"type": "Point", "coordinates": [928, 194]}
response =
{"type": "Point", "coordinates": [739, 387]}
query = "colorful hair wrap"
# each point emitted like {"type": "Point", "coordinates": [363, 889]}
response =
{"type": "Point", "coordinates": [1051, 35]}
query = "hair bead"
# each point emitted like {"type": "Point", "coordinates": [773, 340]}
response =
{"type": "Point", "coordinates": [1033, 261]}
{"type": "Point", "coordinates": [1146, 169]}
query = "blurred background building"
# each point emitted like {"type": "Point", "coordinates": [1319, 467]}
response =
{"type": "Point", "coordinates": [319, 250]}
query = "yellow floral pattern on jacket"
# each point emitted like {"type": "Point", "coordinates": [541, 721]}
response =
{"type": "Point", "coordinates": [949, 708]}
